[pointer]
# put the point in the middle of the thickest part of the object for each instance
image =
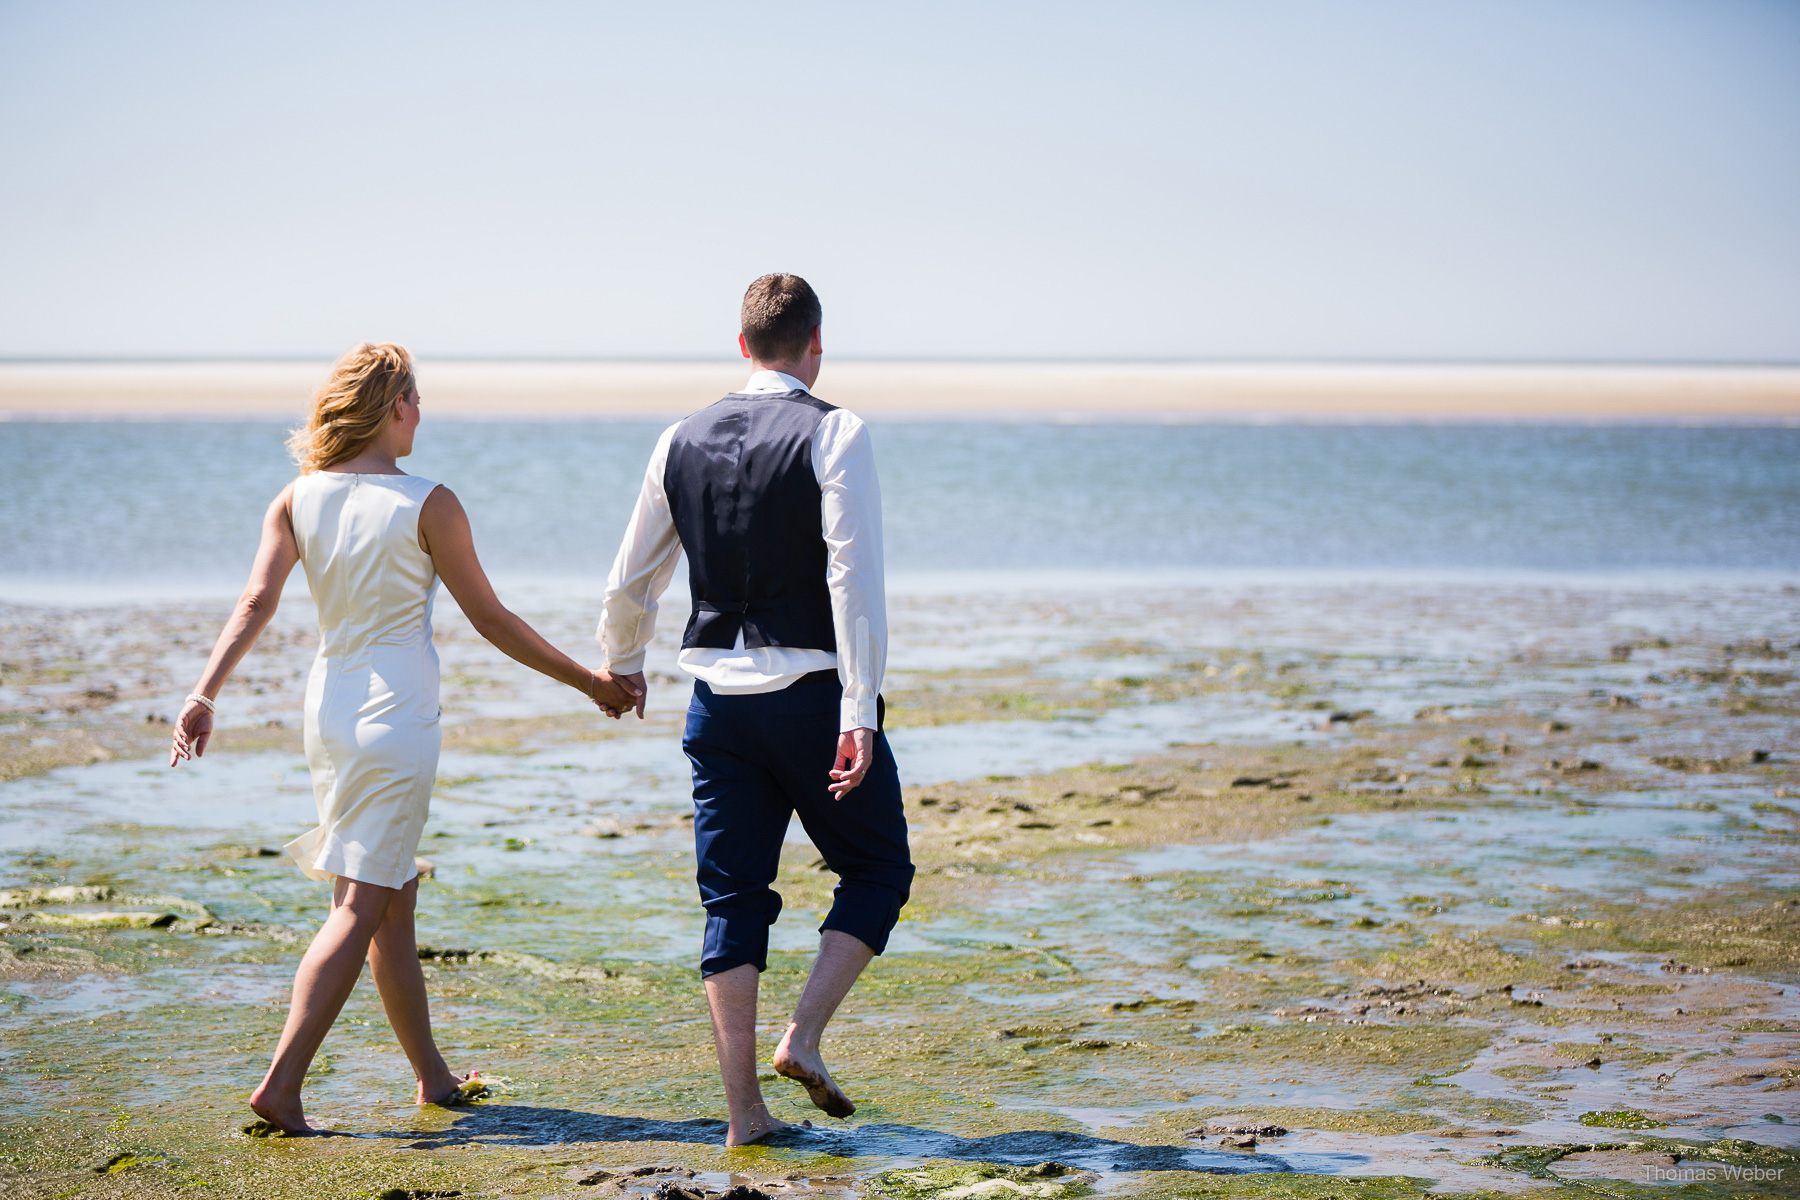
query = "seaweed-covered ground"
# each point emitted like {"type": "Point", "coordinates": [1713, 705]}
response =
{"type": "Point", "coordinates": [1308, 889]}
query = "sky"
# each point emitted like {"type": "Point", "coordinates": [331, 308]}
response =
{"type": "Point", "coordinates": [1526, 180]}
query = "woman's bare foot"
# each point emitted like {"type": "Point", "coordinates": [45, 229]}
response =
{"type": "Point", "coordinates": [452, 1089]}
{"type": "Point", "coordinates": [283, 1112]}
{"type": "Point", "coordinates": [804, 1065]}
{"type": "Point", "coordinates": [756, 1125]}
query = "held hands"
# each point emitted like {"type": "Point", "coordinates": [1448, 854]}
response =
{"type": "Point", "coordinates": [193, 729]}
{"type": "Point", "coordinates": [855, 751]}
{"type": "Point", "coordinates": [615, 695]}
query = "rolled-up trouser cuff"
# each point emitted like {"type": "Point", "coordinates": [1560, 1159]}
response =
{"type": "Point", "coordinates": [715, 966]}
{"type": "Point", "coordinates": [865, 911]}
{"type": "Point", "coordinates": [735, 936]}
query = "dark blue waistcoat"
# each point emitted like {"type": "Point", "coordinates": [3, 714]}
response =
{"type": "Point", "coordinates": [741, 488]}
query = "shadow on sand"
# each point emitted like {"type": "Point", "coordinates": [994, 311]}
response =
{"type": "Point", "coordinates": [529, 1125]}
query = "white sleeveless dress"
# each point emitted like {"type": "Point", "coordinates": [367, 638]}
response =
{"type": "Point", "coordinates": [372, 732]}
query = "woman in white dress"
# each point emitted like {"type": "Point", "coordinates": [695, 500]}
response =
{"type": "Point", "coordinates": [374, 541]}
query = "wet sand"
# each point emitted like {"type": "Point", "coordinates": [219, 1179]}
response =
{"type": "Point", "coordinates": [939, 390]}
{"type": "Point", "coordinates": [1467, 887]}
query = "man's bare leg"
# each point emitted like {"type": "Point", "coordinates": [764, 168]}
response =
{"type": "Point", "coordinates": [841, 960]}
{"type": "Point", "coordinates": [731, 995]}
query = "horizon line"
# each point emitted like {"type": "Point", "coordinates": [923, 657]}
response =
{"type": "Point", "coordinates": [923, 360]}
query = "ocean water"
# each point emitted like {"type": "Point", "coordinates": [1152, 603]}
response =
{"type": "Point", "coordinates": [172, 505]}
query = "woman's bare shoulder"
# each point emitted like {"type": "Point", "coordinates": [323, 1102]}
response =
{"type": "Point", "coordinates": [440, 500]}
{"type": "Point", "coordinates": [284, 499]}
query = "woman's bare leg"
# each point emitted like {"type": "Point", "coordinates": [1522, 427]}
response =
{"type": "Point", "coordinates": [324, 981]}
{"type": "Point", "coordinates": [394, 958]}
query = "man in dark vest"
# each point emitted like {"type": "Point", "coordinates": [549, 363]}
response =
{"type": "Point", "coordinates": [772, 494]}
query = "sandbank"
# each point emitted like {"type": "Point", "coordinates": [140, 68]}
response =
{"type": "Point", "coordinates": [927, 390]}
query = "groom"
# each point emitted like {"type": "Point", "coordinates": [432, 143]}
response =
{"type": "Point", "coordinates": [772, 493]}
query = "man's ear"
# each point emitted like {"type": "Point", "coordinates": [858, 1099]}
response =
{"type": "Point", "coordinates": [743, 346]}
{"type": "Point", "coordinates": [817, 346]}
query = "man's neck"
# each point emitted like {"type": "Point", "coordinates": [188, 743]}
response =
{"type": "Point", "coordinates": [806, 370]}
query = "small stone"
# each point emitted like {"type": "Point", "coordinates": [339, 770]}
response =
{"type": "Point", "coordinates": [69, 894]}
{"type": "Point", "coordinates": [587, 1176]}
{"type": "Point", "coordinates": [679, 1191]}
{"type": "Point", "coordinates": [110, 920]}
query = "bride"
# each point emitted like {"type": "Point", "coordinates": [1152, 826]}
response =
{"type": "Point", "coordinates": [374, 541]}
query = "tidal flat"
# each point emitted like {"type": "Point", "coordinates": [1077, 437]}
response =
{"type": "Point", "coordinates": [1364, 888]}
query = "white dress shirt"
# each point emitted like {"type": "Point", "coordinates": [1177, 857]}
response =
{"type": "Point", "coordinates": [850, 519]}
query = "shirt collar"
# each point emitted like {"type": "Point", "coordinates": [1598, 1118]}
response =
{"type": "Point", "coordinates": [771, 381]}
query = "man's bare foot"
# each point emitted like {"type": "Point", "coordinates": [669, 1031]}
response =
{"type": "Point", "coordinates": [283, 1113]}
{"type": "Point", "coordinates": [453, 1090]}
{"type": "Point", "coordinates": [804, 1065]}
{"type": "Point", "coordinates": [756, 1125]}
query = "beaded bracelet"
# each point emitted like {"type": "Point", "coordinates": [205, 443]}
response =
{"type": "Point", "coordinates": [203, 701]}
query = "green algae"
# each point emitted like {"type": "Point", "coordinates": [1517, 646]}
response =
{"type": "Point", "coordinates": [1621, 1118]}
{"type": "Point", "coordinates": [1535, 1161]}
{"type": "Point", "coordinates": [1286, 1185]}
{"type": "Point", "coordinates": [981, 1181]}
{"type": "Point", "coordinates": [125, 1162]}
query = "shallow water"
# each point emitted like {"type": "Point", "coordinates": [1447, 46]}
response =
{"type": "Point", "coordinates": [571, 846]}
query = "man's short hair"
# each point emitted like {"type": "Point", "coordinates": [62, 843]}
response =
{"type": "Point", "coordinates": [780, 313]}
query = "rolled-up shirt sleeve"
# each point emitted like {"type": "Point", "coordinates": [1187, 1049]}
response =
{"type": "Point", "coordinates": [850, 518]}
{"type": "Point", "coordinates": [641, 572]}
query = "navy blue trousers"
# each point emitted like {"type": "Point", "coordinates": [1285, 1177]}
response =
{"type": "Point", "coordinates": [758, 760]}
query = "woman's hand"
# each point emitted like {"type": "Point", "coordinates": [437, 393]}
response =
{"type": "Point", "coordinates": [193, 729]}
{"type": "Point", "coordinates": [275, 559]}
{"type": "Point", "coordinates": [615, 695]}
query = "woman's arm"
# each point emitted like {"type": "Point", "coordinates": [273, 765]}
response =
{"type": "Point", "coordinates": [445, 535]}
{"type": "Point", "coordinates": [275, 559]}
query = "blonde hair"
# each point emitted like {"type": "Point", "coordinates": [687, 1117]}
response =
{"type": "Point", "coordinates": [350, 408]}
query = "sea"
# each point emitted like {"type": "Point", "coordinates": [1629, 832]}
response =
{"type": "Point", "coordinates": [105, 511]}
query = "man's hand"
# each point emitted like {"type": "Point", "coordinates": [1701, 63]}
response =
{"type": "Point", "coordinates": [855, 751]}
{"type": "Point", "coordinates": [615, 695]}
{"type": "Point", "coordinates": [634, 683]}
